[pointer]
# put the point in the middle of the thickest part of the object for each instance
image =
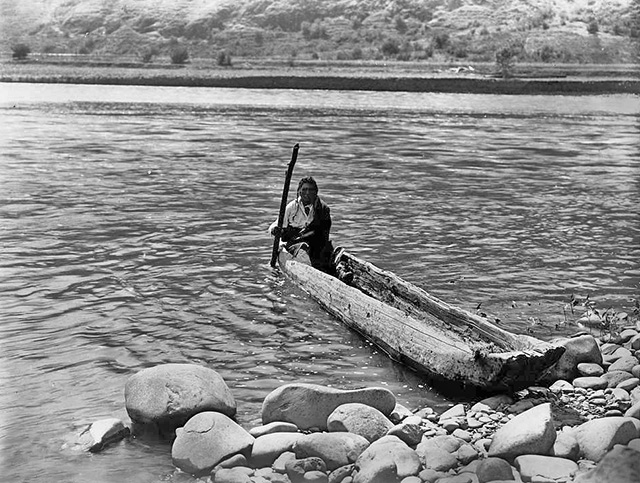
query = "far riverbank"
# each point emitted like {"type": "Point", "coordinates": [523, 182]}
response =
{"type": "Point", "coordinates": [410, 78]}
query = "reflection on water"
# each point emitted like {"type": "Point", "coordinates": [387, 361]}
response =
{"type": "Point", "coordinates": [134, 233]}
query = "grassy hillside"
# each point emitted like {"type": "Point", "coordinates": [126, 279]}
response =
{"type": "Point", "coordinates": [586, 31]}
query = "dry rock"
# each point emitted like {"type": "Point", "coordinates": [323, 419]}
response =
{"type": "Point", "coordinates": [549, 467]}
{"type": "Point", "coordinates": [335, 449]}
{"type": "Point", "coordinates": [494, 469]}
{"type": "Point", "coordinates": [267, 448]}
{"type": "Point", "coordinates": [531, 432]}
{"type": "Point", "coordinates": [598, 436]}
{"type": "Point", "coordinates": [309, 405]}
{"type": "Point", "coordinates": [385, 460]}
{"type": "Point", "coordinates": [359, 419]}
{"type": "Point", "coordinates": [206, 440]}
{"type": "Point", "coordinates": [577, 349]}
{"type": "Point", "coordinates": [621, 465]}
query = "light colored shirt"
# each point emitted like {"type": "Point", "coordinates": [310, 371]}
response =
{"type": "Point", "coordinates": [295, 215]}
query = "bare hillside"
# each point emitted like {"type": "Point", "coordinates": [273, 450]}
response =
{"type": "Point", "coordinates": [541, 30]}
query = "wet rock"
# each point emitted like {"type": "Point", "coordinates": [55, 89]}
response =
{"type": "Point", "coordinates": [359, 419]}
{"type": "Point", "coordinates": [598, 436]}
{"type": "Point", "coordinates": [577, 349]}
{"type": "Point", "coordinates": [621, 465]}
{"type": "Point", "coordinates": [166, 396]}
{"type": "Point", "coordinates": [206, 440]}
{"type": "Point", "coordinates": [101, 434]}
{"type": "Point", "coordinates": [494, 469]}
{"type": "Point", "coordinates": [549, 467]}
{"type": "Point", "coordinates": [635, 372]}
{"type": "Point", "coordinates": [385, 460]}
{"type": "Point", "coordinates": [309, 405]}
{"type": "Point", "coordinates": [634, 343]}
{"type": "Point", "coordinates": [590, 382]}
{"type": "Point", "coordinates": [531, 432]}
{"type": "Point", "coordinates": [233, 461]}
{"type": "Point", "coordinates": [335, 449]}
{"type": "Point", "coordinates": [273, 427]}
{"type": "Point", "coordinates": [267, 448]}
{"type": "Point", "coordinates": [589, 369]}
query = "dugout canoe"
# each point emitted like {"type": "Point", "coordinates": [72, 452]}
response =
{"type": "Point", "coordinates": [417, 329]}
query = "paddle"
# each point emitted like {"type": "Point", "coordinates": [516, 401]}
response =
{"type": "Point", "coordinates": [283, 204]}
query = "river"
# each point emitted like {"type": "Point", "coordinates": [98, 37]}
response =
{"type": "Point", "coordinates": [134, 233]}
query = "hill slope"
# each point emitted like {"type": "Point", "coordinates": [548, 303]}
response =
{"type": "Point", "coordinates": [600, 31]}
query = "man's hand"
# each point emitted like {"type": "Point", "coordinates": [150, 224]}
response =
{"type": "Point", "coordinates": [276, 231]}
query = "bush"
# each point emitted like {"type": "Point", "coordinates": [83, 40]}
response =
{"type": "Point", "coordinates": [148, 54]}
{"type": "Point", "coordinates": [224, 59]}
{"type": "Point", "coordinates": [593, 28]}
{"type": "Point", "coordinates": [20, 51]}
{"type": "Point", "coordinates": [179, 55]}
{"type": "Point", "coordinates": [390, 48]}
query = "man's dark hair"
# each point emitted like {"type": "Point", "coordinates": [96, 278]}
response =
{"type": "Point", "coordinates": [308, 180]}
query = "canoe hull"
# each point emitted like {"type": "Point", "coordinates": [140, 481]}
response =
{"type": "Point", "coordinates": [419, 339]}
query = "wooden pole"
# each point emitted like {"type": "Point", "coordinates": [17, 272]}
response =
{"type": "Point", "coordinates": [283, 204]}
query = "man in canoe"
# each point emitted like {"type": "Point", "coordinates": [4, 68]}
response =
{"type": "Point", "coordinates": [307, 219]}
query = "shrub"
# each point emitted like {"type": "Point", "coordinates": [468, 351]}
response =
{"type": "Point", "coordinates": [20, 51]}
{"type": "Point", "coordinates": [592, 27]}
{"type": "Point", "coordinates": [390, 47]}
{"type": "Point", "coordinates": [224, 59]}
{"type": "Point", "coordinates": [356, 53]}
{"type": "Point", "coordinates": [148, 54]}
{"type": "Point", "coordinates": [179, 55]}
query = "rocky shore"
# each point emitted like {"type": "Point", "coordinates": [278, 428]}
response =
{"type": "Point", "coordinates": [583, 426]}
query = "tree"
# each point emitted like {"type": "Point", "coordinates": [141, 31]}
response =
{"type": "Point", "coordinates": [20, 51]}
{"type": "Point", "coordinates": [224, 59]}
{"type": "Point", "coordinates": [506, 60]}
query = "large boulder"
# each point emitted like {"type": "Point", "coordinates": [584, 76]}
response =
{"type": "Point", "coordinates": [598, 436]}
{"type": "Point", "coordinates": [309, 405]}
{"type": "Point", "coordinates": [206, 440]}
{"type": "Point", "coordinates": [335, 449]}
{"type": "Point", "coordinates": [168, 395]}
{"type": "Point", "coordinates": [531, 432]}
{"type": "Point", "coordinates": [579, 349]}
{"type": "Point", "coordinates": [359, 419]}
{"type": "Point", "coordinates": [620, 465]}
{"type": "Point", "coordinates": [386, 460]}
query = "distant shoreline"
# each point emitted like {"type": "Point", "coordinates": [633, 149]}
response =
{"type": "Point", "coordinates": [391, 79]}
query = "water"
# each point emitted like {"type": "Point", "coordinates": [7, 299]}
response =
{"type": "Point", "coordinates": [133, 233]}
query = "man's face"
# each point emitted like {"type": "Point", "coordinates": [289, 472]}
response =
{"type": "Point", "coordinates": [308, 193]}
